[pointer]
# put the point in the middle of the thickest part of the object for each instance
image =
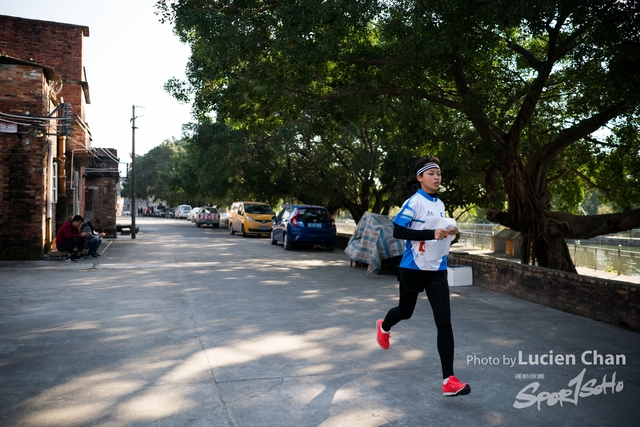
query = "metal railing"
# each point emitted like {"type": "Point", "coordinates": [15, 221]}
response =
{"type": "Point", "coordinates": [480, 227]}
{"type": "Point", "coordinates": [613, 260]}
{"type": "Point", "coordinates": [605, 259]}
{"type": "Point", "coordinates": [345, 226]}
{"type": "Point", "coordinates": [476, 239]}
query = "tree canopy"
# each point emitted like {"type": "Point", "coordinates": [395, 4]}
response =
{"type": "Point", "coordinates": [530, 102]}
{"type": "Point", "coordinates": [162, 174]}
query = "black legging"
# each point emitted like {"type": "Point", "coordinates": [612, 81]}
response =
{"type": "Point", "coordinates": [412, 282]}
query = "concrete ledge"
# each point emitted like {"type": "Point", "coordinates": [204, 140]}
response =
{"type": "Point", "coordinates": [57, 254]}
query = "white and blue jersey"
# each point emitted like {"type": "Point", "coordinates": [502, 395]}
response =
{"type": "Point", "coordinates": [424, 212]}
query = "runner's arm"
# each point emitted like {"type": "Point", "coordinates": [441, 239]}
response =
{"type": "Point", "coordinates": [400, 232]}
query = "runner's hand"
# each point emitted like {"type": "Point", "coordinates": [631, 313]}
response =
{"type": "Point", "coordinates": [441, 233]}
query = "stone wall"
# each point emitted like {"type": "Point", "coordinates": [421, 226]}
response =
{"type": "Point", "coordinates": [609, 301]}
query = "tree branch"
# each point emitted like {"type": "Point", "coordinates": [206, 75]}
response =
{"type": "Point", "coordinates": [568, 136]}
{"type": "Point", "coordinates": [559, 176]}
{"type": "Point", "coordinates": [502, 218]}
{"type": "Point", "coordinates": [588, 181]}
{"type": "Point", "coordinates": [531, 59]}
{"type": "Point", "coordinates": [598, 142]}
{"type": "Point", "coordinates": [572, 226]}
{"type": "Point", "coordinates": [556, 49]}
{"type": "Point", "coordinates": [487, 130]}
{"type": "Point", "coordinates": [567, 225]}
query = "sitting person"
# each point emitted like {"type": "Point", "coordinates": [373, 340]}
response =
{"type": "Point", "coordinates": [93, 239]}
{"type": "Point", "coordinates": [69, 237]}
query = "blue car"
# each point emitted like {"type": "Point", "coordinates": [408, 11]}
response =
{"type": "Point", "coordinates": [304, 224]}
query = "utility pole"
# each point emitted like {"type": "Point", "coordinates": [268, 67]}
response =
{"type": "Point", "coordinates": [133, 171]}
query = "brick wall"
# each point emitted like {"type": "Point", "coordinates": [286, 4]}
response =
{"type": "Point", "coordinates": [104, 201]}
{"type": "Point", "coordinates": [609, 301]}
{"type": "Point", "coordinates": [56, 45]}
{"type": "Point", "coordinates": [23, 159]}
{"type": "Point", "coordinates": [22, 194]}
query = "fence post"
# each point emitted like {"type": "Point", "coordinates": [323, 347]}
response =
{"type": "Point", "coordinates": [575, 251]}
{"type": "Point", "coordinates": [619, 250]}
{"type": "Point", "coordinates": [595, 258]}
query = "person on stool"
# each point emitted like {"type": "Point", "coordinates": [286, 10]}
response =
{"type": "Point", "coordinates": [69, 237]}
{"type": "Point", "coordinates": [93, 238]}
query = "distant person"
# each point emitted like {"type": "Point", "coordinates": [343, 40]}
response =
{"type": "Point", "coordinates": [422, 224]}
{"type": "Point", "coordinates": [93, 237]}
{"type": "Point", "coordinates": [69, 238]}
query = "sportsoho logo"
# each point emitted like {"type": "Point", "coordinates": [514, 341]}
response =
{"type": "Point", "coordinates": [577, 388]}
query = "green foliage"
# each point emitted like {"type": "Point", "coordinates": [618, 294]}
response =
{"type": "Point", "coordinates": [152, 171]}
{"type": "Point", "coordinates": [333, 100]}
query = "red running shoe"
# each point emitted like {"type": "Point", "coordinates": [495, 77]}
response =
{"type": "Point", "coordinates": [453, 387]}
{"type": "Point", "coordinates": [383, 337]}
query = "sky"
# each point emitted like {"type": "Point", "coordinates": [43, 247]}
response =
{"type": "Point", "coordinates": [128, 56]}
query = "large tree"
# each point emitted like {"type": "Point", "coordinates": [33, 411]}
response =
{"type": "Point", "coordinates": [337, 158]}
{"type": "Point", "coordinates": [150, 169]}
{"type": "Point", "coordinates": [229, 165]}
{"type": "Point", "coordinates": [550, 88]}
{"type": "Point", "coordinates": [165, 173]}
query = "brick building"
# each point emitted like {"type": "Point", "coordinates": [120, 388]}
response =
{"type": "Point", "coordinates": [48, 169]}
{"type": "Point", "coordinates": [100, 189]}
{"type": "Point", "coordinates": [26, 188]}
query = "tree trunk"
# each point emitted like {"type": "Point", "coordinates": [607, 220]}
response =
{"type": "Point", "coordinates": [541, 244]}
{"type": "Point", "coordinates": [553, 252]}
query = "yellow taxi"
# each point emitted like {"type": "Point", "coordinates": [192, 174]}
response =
{"type": "Point", "coordinates": [250, 218]}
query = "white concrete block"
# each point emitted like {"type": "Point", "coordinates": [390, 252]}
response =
{"type": "Point", "coordinates": [460, 275]}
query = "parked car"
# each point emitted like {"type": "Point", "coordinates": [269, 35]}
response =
{"type": "Point", "coordinates": [159, 211]}
{"type": "Point", "coordinates": [224, 217]}
{"type": "Point", "coordinates": [250, 218]}
{"type": "Point", "coordinates": [193, 214]}
{"type": "Point", "coordinates": [304, 224]}
{"type": "Point", "coordinates": [182, 211]}
{"type": "Point", "coordinates": [208, 216]}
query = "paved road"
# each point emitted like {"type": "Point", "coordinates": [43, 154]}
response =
{"type": "Point", "coordinates": [194, 327]}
